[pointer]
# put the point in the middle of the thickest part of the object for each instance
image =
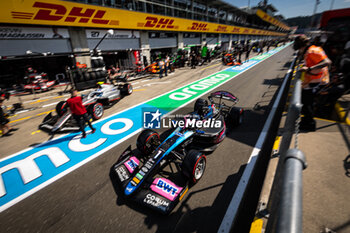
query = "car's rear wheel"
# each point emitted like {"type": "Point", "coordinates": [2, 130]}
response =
{"type": "Point", "coordinates": [147, 141]}
{"type": "Point", "coordinates": [193, 166]}
{"type": "Point", "coordinates": [97, 111]}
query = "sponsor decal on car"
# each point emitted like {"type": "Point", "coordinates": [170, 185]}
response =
{"type": "Point", "coordinates": [136, 180]}
{"type": "Point", "coordinates": [122, 174]}
{"type": "Point", "coordinates": [144, 169]}
{"type": "Point", "coordinates": [155, 201]}
{"type": "Point", "coordinates": [141, 173]}
{"type": "Point", "coordinates": [165, 188]}
{"type": "Point", "coordinates": [132, 164]}
{"type": "Point", "coordinates": [158, 153]}
{"type": "Point", "coordinates": [139, 176]}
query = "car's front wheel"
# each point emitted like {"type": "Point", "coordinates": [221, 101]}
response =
{"type": "Point", "coordinates": [97, 111]}
{"type": "Point", "coordinates": [147, 141]}
{"type": "Point", "coordinates": [193, 166]}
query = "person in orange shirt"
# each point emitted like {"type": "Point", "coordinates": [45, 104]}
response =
{"type": "Point", "coordinates": [316, 76]}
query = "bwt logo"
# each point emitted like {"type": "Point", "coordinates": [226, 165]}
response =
{"type": "Point", "coordinates": [132, 164]}
{"type": "Point", "coordinates": [199, 27]}
{"type": "Point", "coordinates": [151, 119]}
{"type": "Point", "coordinates": [155, 22]}
{"type": "Point", "coordinates": [168, 188]}
{"type": "Point", "coordinates": [56, 12]}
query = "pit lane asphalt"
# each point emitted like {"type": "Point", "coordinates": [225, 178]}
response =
{"type": "Point", "coordinates": [85, 199]}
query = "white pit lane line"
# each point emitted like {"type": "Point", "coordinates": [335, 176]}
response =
{"type": "Point", "coordinates": [47, 105]}
{"type": "Point", "coordinates": [233, 207]}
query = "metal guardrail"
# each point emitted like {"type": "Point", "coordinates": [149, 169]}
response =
{"type": "Point", "coordinates": [290, 215]}
{"type": "Point", "coordinates": [285, 202]}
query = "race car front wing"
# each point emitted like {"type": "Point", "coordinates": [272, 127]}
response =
{"type": "Point", "coordinates": [160, 194]}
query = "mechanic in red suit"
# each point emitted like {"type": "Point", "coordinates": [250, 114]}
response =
{"type": "Point", "coordinates": [79, 112]}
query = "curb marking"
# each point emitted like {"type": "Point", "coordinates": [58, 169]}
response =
{"type": "Point", "coordinates": [341, 113]}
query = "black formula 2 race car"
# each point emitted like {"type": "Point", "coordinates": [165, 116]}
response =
{"type": "Point", "coordinates": [161, 175]}
{"type": "Point", "coordinates": [94, 102]}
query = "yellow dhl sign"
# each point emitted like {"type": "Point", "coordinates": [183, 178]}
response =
{"type": "Point", "coordinates": [266, 17]}
{"type": "Point", "coordinates": [64, 13]}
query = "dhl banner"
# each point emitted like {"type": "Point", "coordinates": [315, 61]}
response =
{"type": "Point", "coordinates": [266, 17]}
{"type": "Point", "coordinates": [64, 13]}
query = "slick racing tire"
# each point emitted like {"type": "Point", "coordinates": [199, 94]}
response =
{"type": "Point", "coordinates": [127, 89]}
{"type": "Point", "coordinates": [193, 166]}
{"type": "Point", "coordinates": [97, 111]}
{"type": "Point", "coordinates": [235, 117]}
{"type": "Point", "coordinates": [147, 141]}
{"type": "Point", "coordinates": [61, 108]}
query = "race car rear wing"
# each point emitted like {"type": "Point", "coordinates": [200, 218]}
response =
{"type": "Point", "coordinates": [224, 95]}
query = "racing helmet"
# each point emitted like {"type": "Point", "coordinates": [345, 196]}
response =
{"type": "Point", "coordinates": [200, 106]}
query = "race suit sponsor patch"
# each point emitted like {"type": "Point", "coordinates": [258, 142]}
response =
{"type": "Point", "coordinates": [131, 164]}
{"type": "Point", "coordinates": [166, 188]}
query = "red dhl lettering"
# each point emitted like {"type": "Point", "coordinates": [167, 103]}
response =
{"type": "Point", "coordinates": [56, 12]}
{"type": "Point", "coordinates": [235, 30]}
{"type": "Point", "coordinates": [199, 27]}
{"type": "Point", "coordinates": [159, 23]}
{"type": "Point", "coordinates": [221, 29]}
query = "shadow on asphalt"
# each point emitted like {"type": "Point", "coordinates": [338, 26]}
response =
{"type": "Point", "coordinates": [344, 130]}
{"type": "Point", "coordinates": [273, 82]}
{"type": "Point", "coordinates": [287, 64]}
{"type": "Point", "coordinates": [346, 163]}
{"type": "Point", "coordinates": [184, 219]}
{"type": "Point", "coordinates": [53, 142]}
{"type": "Point", "coordinates": [342, 227]}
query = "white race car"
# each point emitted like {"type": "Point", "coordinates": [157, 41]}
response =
{"type": "Point", "coordinates": [94, 102]}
